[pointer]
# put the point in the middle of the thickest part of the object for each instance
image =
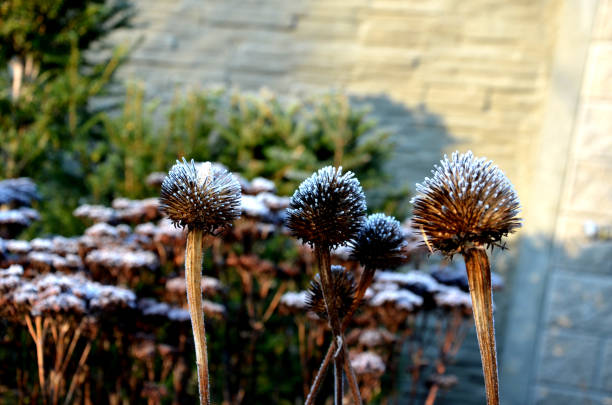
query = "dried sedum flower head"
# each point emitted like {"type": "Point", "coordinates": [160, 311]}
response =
{"type": "Point", "coordinates": [344, 293]}
{"type": "Point", "coordinates": [327, 208]}
{"type": "Point", "coordinates": [468, 202]}
{"type": "Point", "coordinates": [379, 243]}
{"type": "Point", "coordinates": [200, 196]}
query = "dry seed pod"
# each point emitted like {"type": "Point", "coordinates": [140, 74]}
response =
{"type": "Point", "coordinates": [344, 288]}
{"type": "Point", "coordinates": [379, 243]}
{"type": "Point", "coordinates": [200, 196]}
{"type": "Point", "coordinates": [469, 205]}
{"type": "Point", "coordinates": [327, 209]}
{"type": "Point", "coordinates": [467, 202]}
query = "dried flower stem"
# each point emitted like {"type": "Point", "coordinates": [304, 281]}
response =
{"type": "Point", "coordinates": [324, 261]}
{"type": "Point", "coordinates": [364, 282]}
{"type": "Point", "coordinates": [479, 278]}
{"type": "Point", "coordinates": [351, 378]}
{"type": "Point", "coordinates": [38, 335]}
{"type": "Point", "coordinates": [193, 278]}
{"type": "Point", "coordinates": [316, 384]}
{"type": "Point", "coordinates": [80, 366]}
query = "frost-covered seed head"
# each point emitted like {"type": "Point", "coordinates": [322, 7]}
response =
{"type": "Point", "coordinates": [467, 202]}
{"type": "Point", "coordinates": [344, 292]}
{"type": "Point", "coordinates": [379, 243]}
{"type": "Point", "coordinates": [327, 208]}
{"type": "Point", "coordinates": [200, 196]}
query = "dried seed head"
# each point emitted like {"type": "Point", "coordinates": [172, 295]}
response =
{"type": "Point", "coordinates": [344, 293]}
{"type": "Point", "coordinates": [467, 202]}
{"type": "Point", "coordinates": [379, 243]}
{"type": "Point", "coordinates": [200, 196]}
{"type": "Point", "coordinates": [327, 208]}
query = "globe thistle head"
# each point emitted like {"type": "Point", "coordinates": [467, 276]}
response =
{"type": "Point", "coordinates": [467, 202]}
{"type": "Point", "coordinates": [327, 208]}
{"type": "Point", "coordinates": [200, 196]}
{"type": "Point", "coordinates": [379, 243]}
{"type": "Point", "coordinates": [344, 293]}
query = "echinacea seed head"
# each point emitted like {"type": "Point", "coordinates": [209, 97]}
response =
{"type": "Point", "coordinates": [379, 243]}
{"type": "Point", "coordinates": [343, 284]}
{"type": "Point", "coordinates": [327, 208]}
{"type": "Point", "coordinates": [468, 202]}
{"type": "Point", "coordinates": [200, 196]}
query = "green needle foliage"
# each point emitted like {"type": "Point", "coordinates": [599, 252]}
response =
{"type": "Point", "coordinates": [46, 32]}
{"type": "Point", "coordinates": [47, 85]}
{"type": "Point", "coordinates": [285, 141]}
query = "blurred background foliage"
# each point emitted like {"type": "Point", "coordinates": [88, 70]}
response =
{"type": "Point", "coordinates": [55, 129]}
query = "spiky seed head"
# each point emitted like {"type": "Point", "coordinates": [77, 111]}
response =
{"type": "Point", "coordinates": [467, 202]}
{"type": "Point", "coordinates": [379, 243]}
{"type": "Point", "coordinates": [327, 208]}
{"type": "Point", "coordinates": [344, 293]}
{"type": "Point", "coordinates": [200, 196]}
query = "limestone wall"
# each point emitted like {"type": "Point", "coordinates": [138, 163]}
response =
{"type": "Point", "coordinates": [574, 348]}
{"type": "Point", "coordinates": [444, 74]}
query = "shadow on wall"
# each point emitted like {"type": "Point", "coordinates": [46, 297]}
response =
{"type": "Point", "coordinates": [557, 347]}
{"type": "Point", "coordinates": [553, 323]}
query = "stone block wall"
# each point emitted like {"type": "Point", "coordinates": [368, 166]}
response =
{"type": "Point", "coordinates": [574, 348]}
{"type": "Point", "coordinates": [443, 74]}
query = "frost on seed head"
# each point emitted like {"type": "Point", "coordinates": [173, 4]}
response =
{"type": "Point", "coordinates": [468, 201]}
{"type": "Point", "coordinates": [200, 196]}
{"type": "Point", "coordinates": [379, 243]}
{"type": "Point", "coordinates": [327, 208]}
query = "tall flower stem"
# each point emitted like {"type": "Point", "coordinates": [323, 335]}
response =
{"type": "Point", "coordinates": [193, 278]}
{"type": "Point", "coordinates": [364, 282]}
{"type": "Point", "coordinates": [316, 384]}
{"type": "Point", "coordinates": [479, 278]}
{"type": "Point", "coordinates": [351, 378]}
{"type": "Point", "coordinates": [324, 262]}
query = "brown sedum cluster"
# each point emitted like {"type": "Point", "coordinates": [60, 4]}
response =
{"type": "Point", "coordinates": [200, 196]}
{"type": "Point", "coordinates": [467, 202]}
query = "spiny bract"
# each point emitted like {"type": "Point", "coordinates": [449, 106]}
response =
{"type": "Point", "coordinates": [379, 243]}
{"type": "Point", "coordinates": [468, 202]}
{"type": "Point", "coordinates": [344, 293]}
{"type": "Point", "coordinates": [200, 196]}
{"type": "Point", "coordinates": [327, 208]}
